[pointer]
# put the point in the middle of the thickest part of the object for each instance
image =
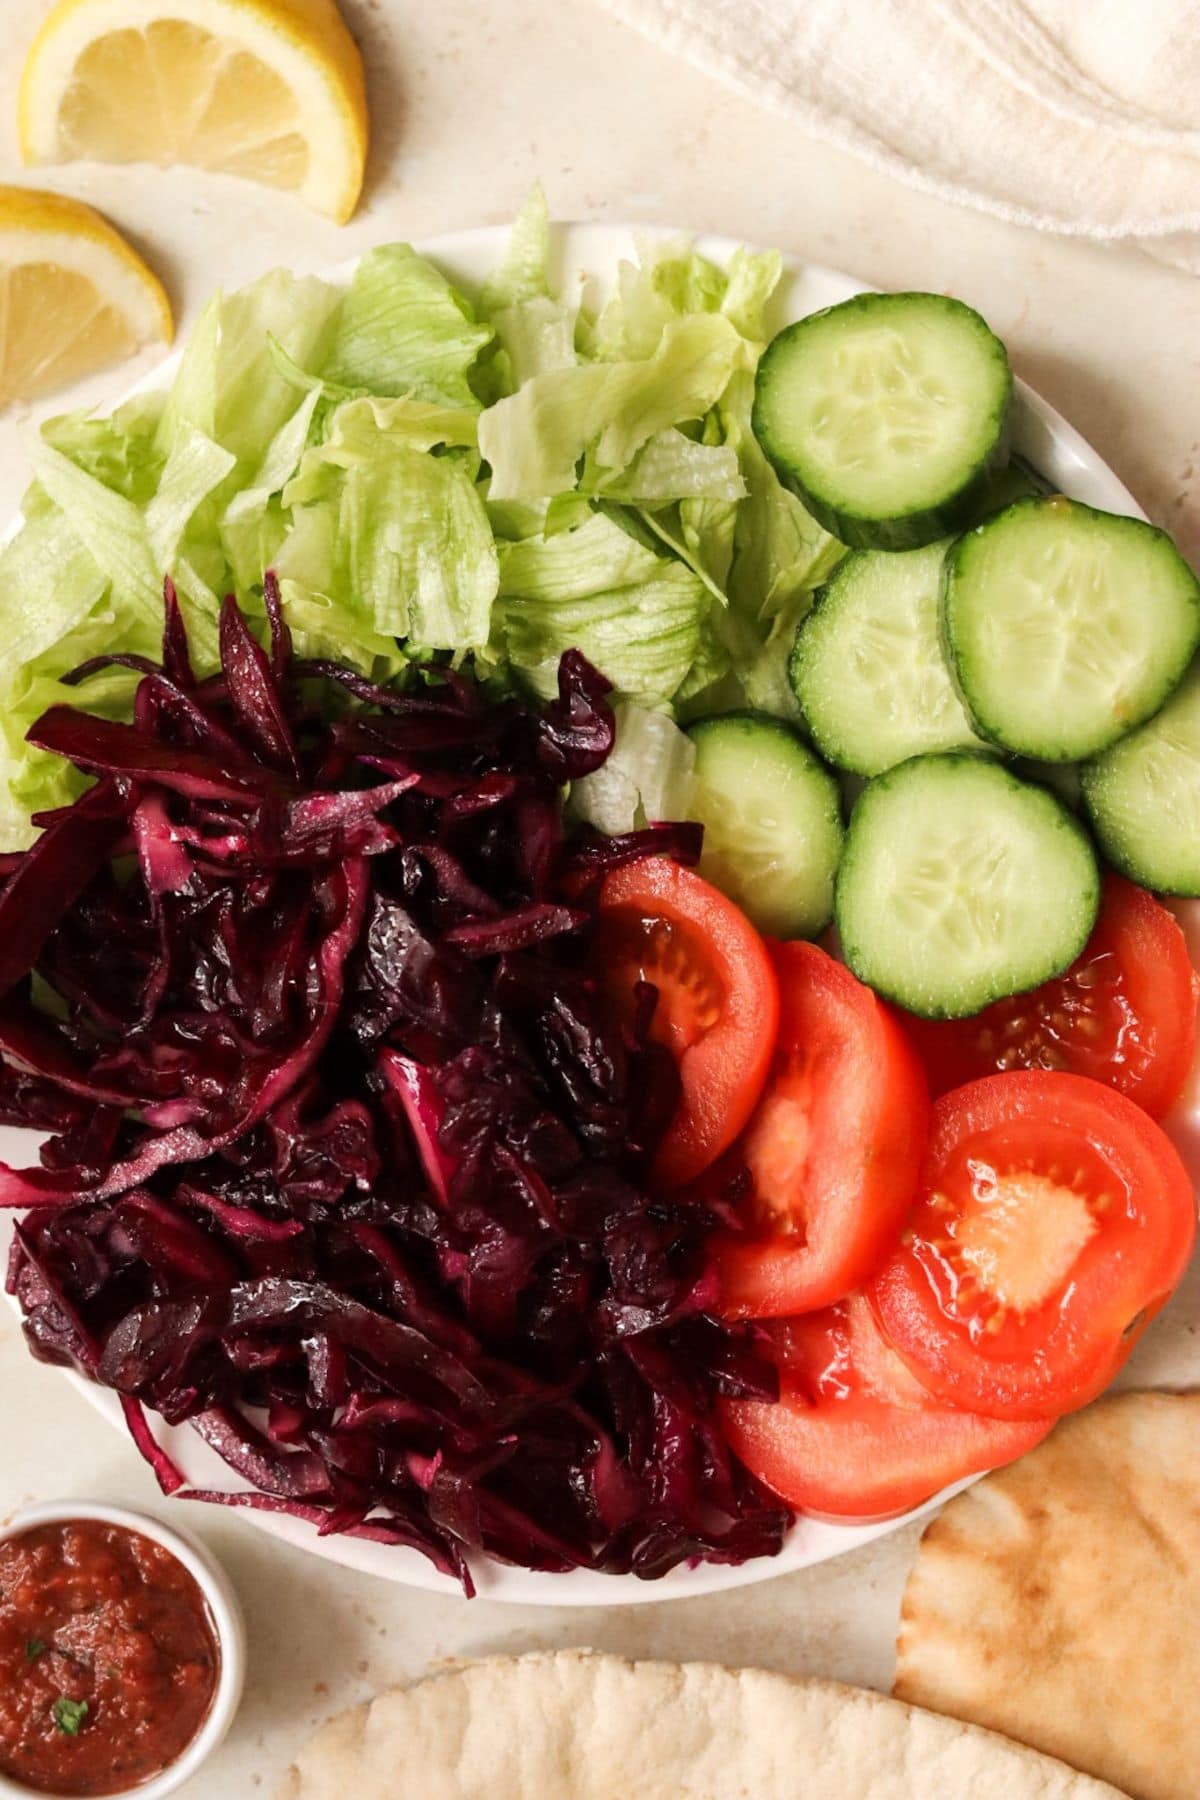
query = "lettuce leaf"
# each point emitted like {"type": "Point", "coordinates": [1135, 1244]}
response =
{"type": "Point", "coordinates": [636, 616]}
{"type": "Point", "coordinates": [751, 279]}
{"type": "Point", "coordinates": [535, 438]}
{"type": "Point", "coordinates": [671, 281]}
{"type": "Point", "coordinates": [648, 775]}
{"type": "Point", "coordinates": [762, 668]}
{"type": "Point", "coordinates": [110, 528]}
{"type": "Point", "coordinates": [534, 337]}
{"type": "Point", "coordinates": [229, 386]}
{"type": "Point", "coordinates": [407, 539]}
{"type": "Point", "coordinates": [195, 467]}
{"type": "Point", "coordinates": [254, 525]}
{"type": "Point", "coordinates": [324, 618]}
{"type": "Point", "coordinates": [670, 466]}
{"type": "Point", "coordinates": [523, 272]}
{"type": "Point", "coordinates": [668, 282]}
{"type": "Point", "coordinates": [49, 581]}
{"type": "Point", "coordinates": [780, 553]}
{"type": "Point", "coordinates": [404, 541]}
{"type": "Point", "coordinates": [34, 780]}
{"type": "Point", "coordinates": [403, 329]}
{"type": "Point", "coordinates": [360, 432]}
{"type": "Point", "coordinates": [534, 331]}
{"type": "Point", "coordinates": [121, 451]}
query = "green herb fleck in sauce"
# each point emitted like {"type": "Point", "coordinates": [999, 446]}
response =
{"type": "Point", "coordinates": [69, 1715]}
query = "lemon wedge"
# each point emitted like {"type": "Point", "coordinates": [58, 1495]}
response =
{"type": "Point", "coordinates": [271, 90]}
{"type": "Point", "coordinates": [74, 296]}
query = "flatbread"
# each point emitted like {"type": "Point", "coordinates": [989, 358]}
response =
{"type": "Point", "coordinates": [1058, 1601]}
{"type": "Point", "coordinates": [573, 1726]}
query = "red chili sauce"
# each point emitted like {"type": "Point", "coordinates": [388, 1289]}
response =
{"type": "Point", "coordinates": [108, 1658]}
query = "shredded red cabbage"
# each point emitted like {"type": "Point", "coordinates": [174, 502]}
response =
{"type": "Point", "coordinates": [348, 1164]}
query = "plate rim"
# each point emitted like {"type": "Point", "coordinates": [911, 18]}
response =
{"type": "Point", "coordinates": [1042, 434]}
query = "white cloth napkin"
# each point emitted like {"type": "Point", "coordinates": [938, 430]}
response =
{"type": "Point", "coordinates": [1076, 116]}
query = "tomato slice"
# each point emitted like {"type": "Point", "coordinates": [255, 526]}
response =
{"type": "Point", "coordinates": [1055, 1219]}
{"type": "Point", "coordinates": [1124, 1013]}
{"type": "Point", "coordinates": [833, 1151]}
{"type": "Point", "coordinates": [853, 1434]}
{"type": "Point", "coordinates": [718, 1000]}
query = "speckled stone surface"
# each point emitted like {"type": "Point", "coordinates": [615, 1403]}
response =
{"type": "Point", "coordinates": [472, 99]}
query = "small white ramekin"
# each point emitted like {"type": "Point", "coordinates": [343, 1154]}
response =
{"type": "Point", "coordinates": [223, 1604]}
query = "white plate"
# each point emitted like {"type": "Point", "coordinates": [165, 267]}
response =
{"type": "Point", "coordinates": [588, 254]}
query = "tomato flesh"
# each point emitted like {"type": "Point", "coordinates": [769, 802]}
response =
{"type": "Point", "coordinates": [1124, 1013]}
{"type": "Point", "coordinates": [718, 1000]}
{"type": "Point", "coordinates": [1055, 1219]}
{"type": "Point", "coordinates": [853, 1434]}
{"type": "Point", "coordinates": [833, 1151]}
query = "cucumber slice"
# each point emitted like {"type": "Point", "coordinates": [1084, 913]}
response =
{"type": "Point", "coordinates": [1143, 797]}
{"type": "Point", "coordinates": [772, 821]}
{"type": "Point", "coordinates": [1067, 627]}
{"type": "Point", "coordinates": [961, 885]}
{"type": "Point", "coordinates": [887, 414]}
{"type": "Point", "coordinates": [868, 671]}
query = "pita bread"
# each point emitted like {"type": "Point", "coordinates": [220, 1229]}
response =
{"type": "Point", "coordinates": [572, 1726]}
{"type": "Point", "coordinates": [1058, 1600]}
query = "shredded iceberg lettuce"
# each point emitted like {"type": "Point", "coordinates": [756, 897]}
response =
{"type": "Point", "coordinates": [636, 615]}
{"type": "Point", "coordinates": [647, 777]}
{"type": "Point", "coordinates": [503, 476]}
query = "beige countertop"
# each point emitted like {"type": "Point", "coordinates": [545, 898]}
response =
{"type": "Point", "coordinates": [471, 100]}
